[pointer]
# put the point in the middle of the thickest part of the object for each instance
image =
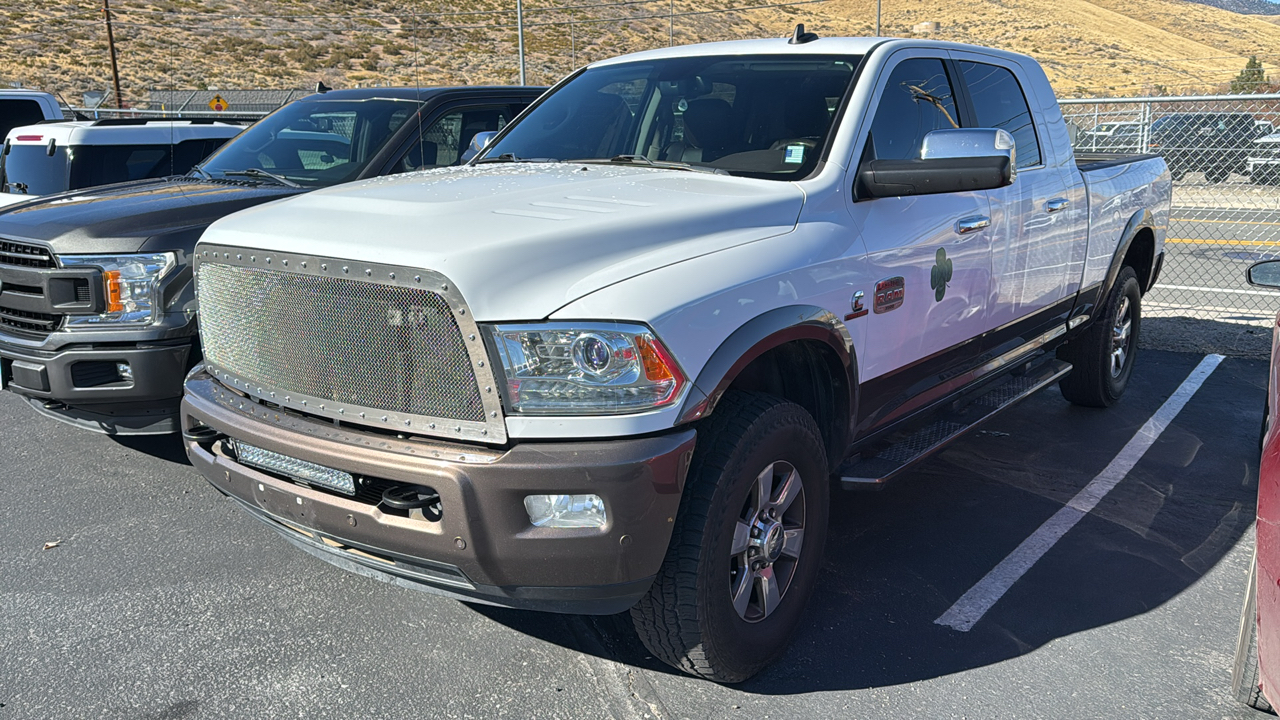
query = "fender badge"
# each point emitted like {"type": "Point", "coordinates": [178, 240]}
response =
{"type": "Point", "coordinates": [890, 293]}
{"type": "Point", "coordinates": [856, 305]}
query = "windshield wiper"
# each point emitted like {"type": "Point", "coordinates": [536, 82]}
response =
{"type": "Point", "coordinates": [642, 160]}
{"type": "Point", "coordinates": [259, 173]}
{"type": "Point", "coordinates": [511, 158]}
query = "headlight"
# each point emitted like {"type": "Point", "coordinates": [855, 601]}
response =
{"type": "Point", "coordinates": [585, 369]}
{"type": "Point", "coordinates": [131, 285]}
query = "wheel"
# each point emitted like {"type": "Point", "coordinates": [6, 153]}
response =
{"type": "Point", "coordinates": [1245, 678]}
{"type": "Point", "coordinates": [1102, 357]}
{"type": "Point", "coordinates": [747, 543]}
{"type": "Point", "coordinates": [1216, 175]}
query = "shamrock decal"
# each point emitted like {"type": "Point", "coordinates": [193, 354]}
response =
{"type": "Point", "coordinates": [940, 275]}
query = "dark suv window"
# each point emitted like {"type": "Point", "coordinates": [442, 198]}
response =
{"type": "Point", "coordinates": [16, 113]}
{"type": "Point", "coordinates": [998, 102]}
{"type": "Point", "coordinates": [916, 101]}
{"type": "Point", "coordinates": [93, 165]}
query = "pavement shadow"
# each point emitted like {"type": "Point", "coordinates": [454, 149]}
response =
{"type": "Point", "coordinates": [896, 560]}
{"type": "Point", "coordinates": [163, 447]}
{"type": "Point", "coordinates": [1199, 335]}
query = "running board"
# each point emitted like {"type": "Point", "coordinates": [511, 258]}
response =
{"type": "Point", "coordinates": [903, 451]}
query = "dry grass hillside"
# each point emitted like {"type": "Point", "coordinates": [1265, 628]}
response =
{"type": "Point", "coordinates": [1090, 47]}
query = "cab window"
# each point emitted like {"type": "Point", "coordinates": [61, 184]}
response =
{"type": "Point", "coordinates": [916, 101]}
{"type": "Point", "coordinates": [998, 102]}
{"type": "Point", "coordinates": [445, 141]}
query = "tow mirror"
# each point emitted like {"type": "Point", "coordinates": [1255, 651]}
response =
{"type": "Point", "coordinates": [959, 160]}
{"type": "Point", "coordinates": [479, 142]}
{"type": "Point", "coordinates": [1265, 273]}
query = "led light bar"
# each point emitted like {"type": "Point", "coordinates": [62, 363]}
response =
{"type": "Point", "coordinates": [299, 470]}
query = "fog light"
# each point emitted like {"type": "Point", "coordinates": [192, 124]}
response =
{"type": "Point", "coordinates": [565, 511]}
{"type": "Point", "coordinates": [125, 372]}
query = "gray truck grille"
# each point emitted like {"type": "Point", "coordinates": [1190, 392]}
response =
{"type": "Point", "coordinates": [364, 351]}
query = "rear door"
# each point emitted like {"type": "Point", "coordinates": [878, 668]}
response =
{"type": "Point", "coordinates": [930, 255]}
{"type": "Point", "coordinates": [1033, 242]}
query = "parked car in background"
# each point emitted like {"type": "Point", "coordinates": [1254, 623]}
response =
{"type": "Point", "coordinates": [1264, 160]}
{"type": "Point", "coordinates": [97, 309]}
{"type": "Point", "coordinates": [1214, 143]}
{"type": "Point", "coordinates": [615, 362]}
{"type": "Point", "coordinates": [27, 107]}
{"type": "Point", "coordinates": [55, 157]}
{"type": "Point", "coordinates": [1255, 677]}
{"type": "Point", "coordinates": [1113, 137]}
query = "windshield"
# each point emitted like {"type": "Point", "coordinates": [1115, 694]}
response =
{"type": "Point", "coordinates": [315, 143]}
{"type": "Point", "coordinates": [764, 116]}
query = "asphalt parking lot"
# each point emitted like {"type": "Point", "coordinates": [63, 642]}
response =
{"type": "Point", "coordinates": [162, 600]}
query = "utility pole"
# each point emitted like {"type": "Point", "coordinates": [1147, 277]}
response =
{"type": "Point", "coordinates": [519, 33]}
{"type": "Point", "coordinates": [672, 26]}
{"type": "Point", "coordinates": [877, 18]}
{"type": "Point", "coordinates": [111, 45]}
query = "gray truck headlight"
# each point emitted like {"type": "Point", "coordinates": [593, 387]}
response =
{"type": "Point", "coordinates": [585, 368]}
{"type": "Point", "coordinates": [131, 285]}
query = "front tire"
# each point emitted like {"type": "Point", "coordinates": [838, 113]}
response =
{"type": "Point", "coordinates": [747, 543]}
{"type": "Point", "coordinates": [1245, 677]}
{"type": "Point", "coordinates": [1102, 357]}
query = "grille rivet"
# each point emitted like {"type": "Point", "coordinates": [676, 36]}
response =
{"type": "Point", "coordinates": [368, 272]}
{"type": "Point", "coordinates": [488, 389]}
{"type": "Point", "coordinates": [351, 520]}
{"type": "Point", "coordinates": [431, 425]}
{"type": "Point", "coordinates": [473, 337]}
{"type": "Point", "coordinates": [341, 411]}
{"type": "Point", "coordinates": [444, 287]}
{"type": "Point", "coordinates": [304, 264]}
{"type": "Point", "coordinates": [324, 266]}
{"type": "Point", "coordinates": [484, 432]}
{"type": "Point", "coordinates": [493, 414]}
{"type": "Point", "coordinates": [462, 311]}
{"type": "Point", "coordinates": [384, 418]}
{"type": "Point", "coordinates": [458, 429]}
{"type": "Point", "coordinates": [253, 258]}
{"type": "Point", "coordinates": [407, 423]}
{"type": "Point", "coordinates": [345, 268]}
{"type": "Point", "coordinates": [460, 543]}
{"type": "Point", "coordinates": [285, 263]}
{"type": "Point", "coordinates": [304, 402]}
{"type": "Point", "coordinates": [481, 363]}
{"type": "Point", "coordinates": [391, 275]}
{"type": "Point", "coordinates": [273, 394]}
{"type": "Point", "coordinates": [322, 407]}
{"type": "Point", "coordinates": [361, 416]}
{"type": "Point", "coordinates": [268, 261]}
{"type": "Point", "coordinates": [239, 256]}
{"type": "Point", "coordinates": [417, 278]}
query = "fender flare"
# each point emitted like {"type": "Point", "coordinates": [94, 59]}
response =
{"type": "Point", "coordinates": [760, 335]}
{"type": "Point", "coordinates": [1139, 221]}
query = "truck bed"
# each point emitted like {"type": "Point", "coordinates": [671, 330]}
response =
{"type": "Point", "coordinates": [1087, 161]}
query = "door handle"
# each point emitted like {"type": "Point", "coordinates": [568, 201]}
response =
{"type": "Point", "coordinates": [1056, 204]}
{"type": "Point", "coordinates": [972, 224]}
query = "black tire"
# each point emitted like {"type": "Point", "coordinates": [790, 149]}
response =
{"type": "Point", "coordinates": [1245, 677]}
{"type": "Point", "coordinates": [1094, 380]}
{"type": "Point", "coordinates": [1216, 175]}
{"type": "Point", "coordinates": [689, 619]}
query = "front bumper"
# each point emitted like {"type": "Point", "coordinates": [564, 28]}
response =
{"type": "Point", "coordinates": [78, 384]}
{"type": "Point", "coordinates": [483, 547]}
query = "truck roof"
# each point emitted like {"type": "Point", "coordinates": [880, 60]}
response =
{"type": "Point", "coordinates": [142, 132]}
{"type": "Point", "coordinates": [409, 93]}
{"type": "Point", "coordinates": [783, 46]}
{"type": "Point", "coordinates": [11, 93]}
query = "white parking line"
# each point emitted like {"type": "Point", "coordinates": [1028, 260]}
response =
{"type": "Point", "coordinates": [975, 603]}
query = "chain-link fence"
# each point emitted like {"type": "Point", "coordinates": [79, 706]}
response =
{"type": "Point", "coordinates": [1224, 154]}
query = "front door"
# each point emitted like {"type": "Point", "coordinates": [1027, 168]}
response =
{"type": "Point", "coordinates": [935, 249]}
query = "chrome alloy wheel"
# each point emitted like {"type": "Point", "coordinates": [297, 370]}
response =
{"type": "Point", "coordinates": [1120, 337]}
{"type": "Point", "coordinates": [766, 542]}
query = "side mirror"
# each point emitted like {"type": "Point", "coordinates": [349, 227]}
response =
{"type": "Point", "coordinates": [1265, 274]}
{"type": "Point", "coordinates": [959, 160]}
{"type": "Point", "coordinates": [479, 142]}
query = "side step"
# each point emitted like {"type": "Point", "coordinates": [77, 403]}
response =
{"type": "Point", "coordinates": [904, 450]}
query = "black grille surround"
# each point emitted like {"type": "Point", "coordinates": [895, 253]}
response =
{"type": "Point", "coordinates": [24, 321]}
{"type": "Point", "coordinates": [391, 348]}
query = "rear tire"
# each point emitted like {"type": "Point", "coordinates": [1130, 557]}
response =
{"type": "Point", "coordinates": [1245, 677]}
{"type": "Point", "coordinates": [747, 543]}
{"type": "Point", "coordinates": [1102, 357]}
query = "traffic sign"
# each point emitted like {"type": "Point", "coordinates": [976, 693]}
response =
{"type": "Point", "coordinates": [218, 104]}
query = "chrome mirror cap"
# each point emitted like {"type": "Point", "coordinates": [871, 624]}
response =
{"type": "Point", "coordinates": [971, 143]}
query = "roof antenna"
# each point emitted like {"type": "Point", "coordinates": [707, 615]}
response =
{"type": "Point", "coordinates": [801, 37]}
{"type": "Point", "coordinates": [321, 87]}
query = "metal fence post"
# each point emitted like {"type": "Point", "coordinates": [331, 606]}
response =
{"type": "Point", "coordinates": [520, 36]}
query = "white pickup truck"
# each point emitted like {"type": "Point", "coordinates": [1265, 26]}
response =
{"type": "Point", "coordinates": [619, 360]}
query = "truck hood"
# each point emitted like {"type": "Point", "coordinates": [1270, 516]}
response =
{"type": "Point", "coordinates": [521, 240]}
{"type": "Point", "coordinates": [120, 218]}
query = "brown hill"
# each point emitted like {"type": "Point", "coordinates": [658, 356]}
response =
{"type": "Point", "coordinates": [1089, 47]}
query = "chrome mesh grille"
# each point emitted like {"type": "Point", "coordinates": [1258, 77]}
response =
{"type": "Point", "coordinates": [355, 343]}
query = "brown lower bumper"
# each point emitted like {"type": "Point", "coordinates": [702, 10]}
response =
{"type": "Point", "coordinates": [483, 546]}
